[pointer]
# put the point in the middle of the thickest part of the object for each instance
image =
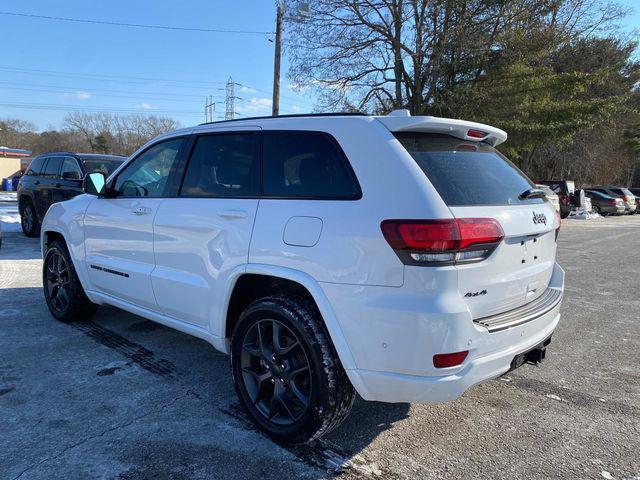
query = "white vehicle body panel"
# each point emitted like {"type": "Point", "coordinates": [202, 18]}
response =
{"type": "Point", "coordinates": [386, 319]}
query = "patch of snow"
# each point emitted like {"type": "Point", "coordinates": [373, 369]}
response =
{"type": "Point", "coordinates": [582, 214]}
{"type": "Point", "coordinates": [10, 221]}
{"type": "Point", "coordinates": [8, 197]}
{"type": "Point", "coordinates": [553, 397]}
{"type": "Point", "coordinates": [606, 475]}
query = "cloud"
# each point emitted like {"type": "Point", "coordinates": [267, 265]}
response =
{"type": "Point", "coordinates": [255, 105]}
{"type": "Point", "coordinates": [245, 89]}
{"type": "Point", "coordinates": [145, 106]}
{"type": "Point", "coordinates": [297, 108]}
{"type": "Point", "coordinates": [78, 95]}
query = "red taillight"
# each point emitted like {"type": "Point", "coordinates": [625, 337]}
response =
{"type": "Point", "coordinates": [444, 360]}
{"type": "Point", "coordinates": [625, 198]}
{"type": "Point", "coordinates": [476, 134]}
{"type": "Point", "coordinates": [442, 242]}
{"type": "Point", "coordinates": [612, 201]}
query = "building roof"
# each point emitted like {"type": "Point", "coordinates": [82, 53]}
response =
{"type": "Point", "coordinates": [14, 152]}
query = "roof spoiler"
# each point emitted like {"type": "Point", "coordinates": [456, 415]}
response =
{"type": "Point", "coordinates": [402, 121]}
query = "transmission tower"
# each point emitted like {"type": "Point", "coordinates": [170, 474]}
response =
{"type": "Point", "coordinates": [231, 96]}
{"type": "Point", "coordinates": [209, 109]}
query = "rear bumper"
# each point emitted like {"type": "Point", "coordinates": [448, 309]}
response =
{"type": "Point", "coordinates": [393, 348]}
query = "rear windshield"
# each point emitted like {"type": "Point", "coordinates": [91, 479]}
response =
{"type": "Point", "coordinates": [467, 173]}
{"type": "Point", "coordinates": [105, 165]}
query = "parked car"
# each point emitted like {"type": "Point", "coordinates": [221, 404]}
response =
{"type": "Point", "coordinates": [565, 190]}
{"type": "Point", "coordinates": [604, 204]}
{"type": "Point", "coordinates": [627, 197]}
{"type": "Point", "coordinates": [328, 254]}
{"type": "Point", "coordinates": [551, 196]}
{"type": "Point", "coordinates": [55, 177]}
{"type": "Point", "coordinates": [636, 192]}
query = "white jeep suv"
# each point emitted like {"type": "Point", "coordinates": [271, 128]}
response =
{"type": "Point", "coordinates": [402, 258]}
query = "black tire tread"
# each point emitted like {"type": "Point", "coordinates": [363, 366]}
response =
{"type": "Point", "coordinates": [340, 393]}
{"type": "Point", "coordinates": [80, 307]}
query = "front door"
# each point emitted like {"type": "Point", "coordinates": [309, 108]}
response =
{"type": "Point", "coordinates": [202, 236]}
{"type": "Point", "coordinates": [70, 183]}
{"type": "Point", "coordinates": [119, 225]}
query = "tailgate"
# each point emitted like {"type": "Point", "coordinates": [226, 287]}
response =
{"type": "Point", "coordinates": [519, 270]}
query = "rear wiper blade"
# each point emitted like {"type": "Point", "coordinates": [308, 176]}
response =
{"type": "Point", "coordinates": [532, 193]}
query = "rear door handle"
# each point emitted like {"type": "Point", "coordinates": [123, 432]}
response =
{"type": "Point", "coordinates": [142, 210]}
{"type": "Point", "coordinates": [232, 214]}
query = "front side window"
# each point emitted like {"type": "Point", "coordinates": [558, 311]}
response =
{"type": "Point", "coordinates": [224, 165]}
{"type": "Point", "coordinates": [70, 169]}
{"type": "Point", "coordinates": [52, 168]}
{"type": "Point", "coordinates": [467, 173]}
{"type": "Point", "coordinates": [36, 166]}
{"type": "Point", "coordinates": [300, 164]}
{"type": "Point", "coordinates": [152, 173]}
{"type": "Point", "coordinates": [104, 165]}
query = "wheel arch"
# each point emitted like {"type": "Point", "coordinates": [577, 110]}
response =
{"type": "Point", "coordinates": [258, 281]}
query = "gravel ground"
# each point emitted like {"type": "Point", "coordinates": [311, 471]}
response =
{"type": "Point", "coordinates": [126, 398]}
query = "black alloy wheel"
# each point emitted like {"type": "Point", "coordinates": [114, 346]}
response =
{"type": "Point", "coordinates": [58, 282]}
{"type": "Point", "coordinates": [276, 372]}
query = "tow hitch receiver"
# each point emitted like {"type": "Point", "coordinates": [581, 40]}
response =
{"type": "Point", "coordinates": [534, 356]}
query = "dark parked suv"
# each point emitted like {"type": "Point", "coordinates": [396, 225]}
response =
{"type": "Point", "coordinates": [55, 177]}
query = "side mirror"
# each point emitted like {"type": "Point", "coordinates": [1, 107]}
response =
{"type": "Point", "coordinates": [93, 183]}
{"type": "Point", "coordinates": [71, 176]}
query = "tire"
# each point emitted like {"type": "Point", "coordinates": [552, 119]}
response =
{"type": "Point", "coordinates": [597, 209]}
{"type": "Point", "coordinates": [261, 371]}
{"type": "Point", "coordinates": [29, 220]}
{"type": "Point", "coordinates": [63, 292]}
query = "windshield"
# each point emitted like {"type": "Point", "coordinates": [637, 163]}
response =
{"type": "Point", "coordinates": [467, 173]}
{"type": "Point", "coordinates": [104, 165]}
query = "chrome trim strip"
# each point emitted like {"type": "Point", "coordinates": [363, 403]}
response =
{"type": "Point", "coordinates": [523, 314]}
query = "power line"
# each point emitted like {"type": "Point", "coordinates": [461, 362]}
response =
{"type": "Point", "coordinates": [103, 77]}
{"type": "Point", "coordinates": [143, 81]}
{"type": "Point", "coordinates": [91, 94]}
{"type": "Point", "coordinates": [134, 25]}
{"type": "Point", "coordinates": [48, 106]}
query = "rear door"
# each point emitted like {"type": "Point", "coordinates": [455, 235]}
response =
{"type": "Point", "coordinates": [70, 182]}
{"type": "Point", "coordinates": [475, 181]}
{"type": "Point", "coordinates": [119, 228]}
{"type": "Point", "coordinates": [202, 236]}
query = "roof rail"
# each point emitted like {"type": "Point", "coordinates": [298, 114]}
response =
{"type": "Point", "coordinates": [293, 115]}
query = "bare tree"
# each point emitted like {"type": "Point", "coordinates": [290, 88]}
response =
{"type": "Point", "coordinates": [383, 54]}
{"type": "Point", "coordinates": [120, 134]}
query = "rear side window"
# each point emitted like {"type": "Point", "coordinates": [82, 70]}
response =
{"type": "Point", "coordinates": [224, 165]}
{"type": "Point", "coordinates": [302, 165]}
{"type": "Point", "coordinates": [467, 173]}
{"type": "Point", "coordinates": [52, 168]}
{"type": "Point", "coordinates": [35, 167]}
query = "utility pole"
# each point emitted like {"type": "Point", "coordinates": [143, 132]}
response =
{"type": "Point", "coordinates": [278, 55]}
{"type": "Point", "coordinates": [229, 101]}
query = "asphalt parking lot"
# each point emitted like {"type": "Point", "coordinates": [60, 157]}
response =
{"type": "Point", "coordinates": [125, 398]}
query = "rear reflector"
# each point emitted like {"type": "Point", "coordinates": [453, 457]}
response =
{"type": "Point", "coordinates": [444, 360]}
{"type": "Point", "coordinates": [442, 242]}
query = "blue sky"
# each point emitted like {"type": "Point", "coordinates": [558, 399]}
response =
{"type": "Point", "coordinates": [50, 67]}
{"type": "Point", "coordinates": [169, 72]}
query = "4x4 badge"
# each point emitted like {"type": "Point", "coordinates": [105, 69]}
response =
{"type": "Point", "coordinates": [539, 218]}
